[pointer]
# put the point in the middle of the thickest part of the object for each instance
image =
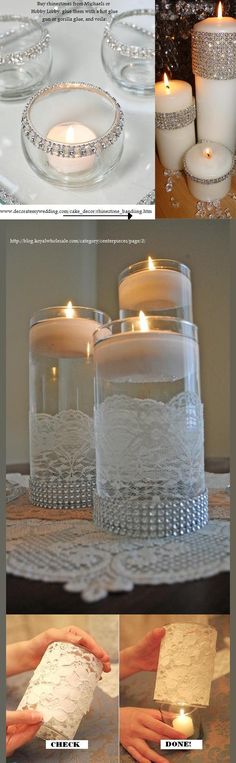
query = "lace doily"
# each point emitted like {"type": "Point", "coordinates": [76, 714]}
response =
{"type": "Point", "coordinates": [186, 664]}
{"type": "Point", "coordinates": [61, 445]}
{"type": "Point", "coordinates": [62, 689]}
{"type": "Point", "coordinates": [93, 563]}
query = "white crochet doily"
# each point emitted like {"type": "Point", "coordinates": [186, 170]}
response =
{"type": "Point", "coordinates": [93, 562]}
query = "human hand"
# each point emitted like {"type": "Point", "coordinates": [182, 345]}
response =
{"type": "Point", "coordinates": [138, 726]}
{"type": "Point", "coordinates": [21, 727]}
{"type": "Point", "coordinates": [142, 656]}
{"type": "Point", "coordinates": [26, 655]}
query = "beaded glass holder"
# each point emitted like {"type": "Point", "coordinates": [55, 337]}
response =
{"type": "Point", "coordinates": [128, 50]}
{"type": "Point", "coordinates": [25, 56]}
{"type": "Point", "coordinates": [148, 428]}
{"type": "Point", "coordinates": [72, 133]}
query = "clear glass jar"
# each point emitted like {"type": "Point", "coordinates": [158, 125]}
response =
{"type": "Point", "coordinates": [149, 428]}
{"type": "Point", "coordinates": [185, 718]}
{"type": "Point", "coordinates": [25, 56]}
{"type": "Point", "coordinates": [128, 50]}
{"type": "Point", "coordinates": [62, 455]}
{"type": "Point", "coordinates": [72, 133]}
{"type": "Point", "coordinates": [157, 286]}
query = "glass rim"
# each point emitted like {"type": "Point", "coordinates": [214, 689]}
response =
{"type": "Point", "coordinates": [30, 52]}
{"type": "Point", "coordinates": [182, 327]}
{"type": "Point", "coordinates": [86, 148]}
{"type": "Point", "coordinates": [133, 51]}
{"type": "Point", "coordinates": [188, 709]}
{"type": "Point", "coordinates": [160, 264]}
{"type": "Point", "coordinates": [91, 313]}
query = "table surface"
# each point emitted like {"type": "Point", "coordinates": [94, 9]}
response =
{"type": "Point", "coordinates": [187, 208]}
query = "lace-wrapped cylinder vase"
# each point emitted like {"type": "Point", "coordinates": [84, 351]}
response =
{"type": "Point", "coordinates": [62, 454]}
{"type": "Point", "coordinates": [62, 689]}
{"type": "Point", "coordinates": [149, 428]}
{"type": "Point", "coordinates": [186, 665]}
{"type": "Point", "coordinates": [157, 286]}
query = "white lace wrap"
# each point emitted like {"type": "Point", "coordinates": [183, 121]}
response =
{"type": "Point", "coordinates": [186, 664]}
{"type": "Point", "coordinates": [61, 446]}
{"type": "Point", "coordinates": [62, 689]}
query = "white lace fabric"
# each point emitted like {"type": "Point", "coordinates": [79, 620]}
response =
{"type": "Point", "coordinates": [61, 446]}
{"type": "Point", "coordinates": [186, 664]}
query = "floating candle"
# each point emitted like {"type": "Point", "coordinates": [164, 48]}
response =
{"type": "Point", "coordinates": [65, 336]}
{"type": "Point", "coordinates": [156, 286]}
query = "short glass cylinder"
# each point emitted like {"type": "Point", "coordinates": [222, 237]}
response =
{"type": "Point", "coordinates": [72, 133]}
{"type": "Point", "coordinates": [62, 455]}
{"type": "Point", "coordinates": [157, 286]}
{"type": "Point", "coordinates": [25, 56]}
{"type": "Point", "coordinates": [62, 688]}
{"type": "Point", "coordinates": [183, 718]}
{"type": "Point", "coordinates": [128, 50]}
{"type": "Point", "coordinates": [148, 428]}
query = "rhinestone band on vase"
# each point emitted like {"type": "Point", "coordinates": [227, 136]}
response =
{"type": "Point", "coordinates": [130, 51]}
{"type": "Point", "coordinates": [63, 493]}
{"type": "Point", "coordinates": [214, 55]}
{"type": "Point", "coordinates": [73, 149]}
{"type": "Point", "coordinates": [19, 56]}
{"type": "Point", "coordinates": [176, 119]}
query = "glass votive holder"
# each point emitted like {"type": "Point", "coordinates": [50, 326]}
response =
{"type": "Point", "coordinates": [62, 453]}
{"type": "Point", "coordinates": [62, 689]}
{"type": "Point", "coordinates": [25, 56]}
{"type": "Point", "coordinates": [157, 286]}
{"type": "Point", "coordinates": [185, 718]}
{"type": "Point", "coordinates": [128, 50]}
{"type": "Point", "coordinates": [72, 133]}
{"type": "Point", "coordinates": [208, 167]}
{"type": "Point", "coordinates": [148, 428]}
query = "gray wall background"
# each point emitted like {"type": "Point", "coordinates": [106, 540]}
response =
{"type": "Point", "coordinates": [50, 273]}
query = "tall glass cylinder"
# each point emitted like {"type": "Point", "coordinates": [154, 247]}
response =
{"type": "Point", "coordinates": [149, 428]}
{"type": "Point", "coordinates": [157, 286]}
{"type": "Point", "coordinates": [62, 455]}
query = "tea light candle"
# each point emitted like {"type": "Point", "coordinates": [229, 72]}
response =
{"type": "Point", "coordinates": [183, 723]}
{"type": "Point", "coordinates": [214, 66]}
{"type": "Point", "coordinates": [67, 133]}
{"type": "Point", "coordinates": [156, 286]}
{"type": "Point", "coordinates": [175, 114]}
{"type": "Point", "coordinates": [208, 167]}
{"type": "Point", "coordinates": [68, 336]}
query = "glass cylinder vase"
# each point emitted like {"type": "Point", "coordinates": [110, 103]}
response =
{"type": "Point", "coordinates": [62, 689]}
{"type": "Point", "coordinates": [149, 428]}
{"type": "Point", "coordinates": [62, 455]}
{"type": "Point", "coordinates": [157, 286]}
{"type": "Point", "coordinates": [186, 665]}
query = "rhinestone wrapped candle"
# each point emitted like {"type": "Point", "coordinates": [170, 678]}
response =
{"type": "Point", "coordinates": [186, 665]}
{"type": "Point", "coordinates": [62, 456]}
{"type": "Point", "coordinates": [175, 121]}
{"type": "Point", "coordinates": [72, 133]}
{"type": "Point", "coordinates": [208, 167]}
{"type": "Point", "coordinates": [128, 50]}
{"type": "Point", "coordinates": [148, 428]}
{"type": "Point", "coordinates": [214, 66]}
{"type": "Point", "coordinates": [159, 287]}
{"type": "Point", "coordinates": [62, 689]}
{"type": "Point", "coordinates": [25, 56]}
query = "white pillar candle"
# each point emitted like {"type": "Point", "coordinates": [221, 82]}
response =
{"type": "Point", "coordinates": [214, 66]}
{"type": "Point", "coordinates": [209, 168]}
{"type": "Point", "coordinates": [70, 133]}
{"type": "Point", "coordinates": [183, 723]}
{"type": "Point", "coordinates": [67, 336]}
{"type": "Point", "coordinates": [174, 98]}
{"type": "Point", "coordinates": [155, 287]}
{"type": "Point", "coordinates": [186, 665]}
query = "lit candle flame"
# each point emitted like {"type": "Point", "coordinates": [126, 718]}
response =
{"type": "Point", "coordinates": [54, 372]}
{"type": "Point", "coordinates": [220, 11]}
{"type": "Point", "coordinates": [88, 350]}
{"type": "Point", "coordinates": [143, 321]}
{"type": "Point", "coordinates": [208, 153]}
{"type": "Point", "coordinates": [182, 711]}
{"type": "Point", "coordinates": [70, 134]}
{"type": "Point", "coordinates": [151, 265]}
{"type": "Point", "coordinates": [69, 312]}
{"type": "Point", "coordinates": [166, 82]}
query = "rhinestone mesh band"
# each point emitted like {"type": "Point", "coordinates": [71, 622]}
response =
{"type": "Point", "coordinates": [130, 51]}
{"type": "Point", "coordinates": [176, 119]}
{"type": "Point", "coordinates": [63, 494]}
{"type": "Point", "coordinates": [20, 56]}
{"type": "Point", "coordinates": [161, 521]}
{"type": "Point", "coordinates": [207, 181]}
{"type": "Point", "coordinates": [214, 54]}
{"type": "Point", "coordinates": [73, 150]}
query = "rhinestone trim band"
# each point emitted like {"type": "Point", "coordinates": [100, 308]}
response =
{"type": "Point", "coordinates": [73, 149]}
{"type": "Point", "coordinates": [160, 521]}
{"type": "Point", "coordinates": [208, 181]}
{"type": "Point", "coordinates": [214, 55]}
{"type": "Point", "coordinates": [130, 51]}
{"type": "Point", "coordinates": [148, 199]}
{"type": "Point", "coordinates": [20, 56]}
{"type": "Point", "coordinates": [176, 119]}
{"type": "Point", "coordinates": [63, 494]}
{"type": "Point", "coordinates": [6, 197]}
